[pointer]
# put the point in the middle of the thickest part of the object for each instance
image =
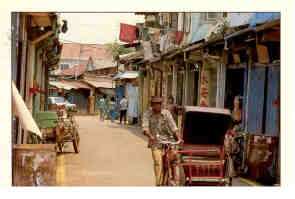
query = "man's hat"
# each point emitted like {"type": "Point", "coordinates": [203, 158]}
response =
{"type": "Point", "coordinates": [156, 99]}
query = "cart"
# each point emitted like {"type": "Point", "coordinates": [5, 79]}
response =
{"type": "Point", "coordinates": [58, 127]}
{"type": "Point", "coordinates": [202, 154]}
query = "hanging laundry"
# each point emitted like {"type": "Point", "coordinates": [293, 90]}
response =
{"type": "Point", "coordinates": [155, 32]}
{"type": "Point", "coordinates": [187, 19]}
{"type": "Point", "coordinates": [180, 21]}
{"type": "Point", "coordinates": [132, 96]}
{"type": "Point", "coordinates": [127, 33]}
{"type": "Point", "coordinates": [161, 20]}
{"type": "Point", "coordinates": [178, 37]}
{"type": "Point", "coordinates": [148, 54]}
{"type": "Point", "coordinates": [162, 42]}
{"type": "Point", "coordinates": [155, 48]}
{"type": "Point", "coordinates": [145, 34]}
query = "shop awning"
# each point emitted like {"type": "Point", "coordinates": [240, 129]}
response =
{"type": "Point", "coordinates": [100, 84]}
{"type": "Point", "coordinates": [62, 85]}
{"type": "Point", "coordinates": [21, 111]}
{"type": "Point", "coordinates": [77, 84]}
{"type": "Point", "coordinates": [127, 75]}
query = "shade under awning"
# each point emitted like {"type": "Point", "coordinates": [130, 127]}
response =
{"type": "Point", "coordinates": [127, 75]}
{"type": "Point", "coordinates": [21, 111]}
{"type": "Point", "coordinates": [62, 85]}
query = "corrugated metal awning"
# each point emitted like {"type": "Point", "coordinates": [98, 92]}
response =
{"type": "Point", "coordinates": [62, 85]}
{"type": "Point", "coordinates": [100, 84]}
{"type": "Point", "coordinates": [77, 84]}
{"type": "Point", "coordinates": [127, 75]}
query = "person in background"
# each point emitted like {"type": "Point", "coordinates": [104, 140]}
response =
{"type": "Point", "coordinates": [102, 108]}
{"type": "Point", "coordinates": [123, 109]}
{"type": "Point", "coordinates": [112, 107]}
{"type": "Point", "coordinates": [237, 113]}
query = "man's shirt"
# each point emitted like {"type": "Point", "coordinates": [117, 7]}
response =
{"type": "Point", "coordinates": [162, 124]}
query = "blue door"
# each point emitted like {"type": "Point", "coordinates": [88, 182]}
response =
{"type": "Point", "coordinates": [272, 106]}
{"type": "Point", "coordinates": [256, 100]}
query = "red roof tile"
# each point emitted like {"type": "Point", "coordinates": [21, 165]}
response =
{"type": "Point", "coordinates": [96, 51]}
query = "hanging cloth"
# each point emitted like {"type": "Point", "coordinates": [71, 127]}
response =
{"type": "Point", "coordinates": [178, 37]}
{"type": "Point", "coordinates": [127, 33]}
{"type": "Point", "coordinates": [187, 22]}
{"type": "Point", "coordinates": [180, 21]}
{"type": "Point", "coordinates": [148, 53]}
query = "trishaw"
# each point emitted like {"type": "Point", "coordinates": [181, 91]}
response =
{"type": "Point", "coordinates": [58, 127]}
{"type": "Point", "coordinates": [202, 155]}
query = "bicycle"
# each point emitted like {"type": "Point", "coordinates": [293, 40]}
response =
{"type": "Point", "coordinates": [168, 166]}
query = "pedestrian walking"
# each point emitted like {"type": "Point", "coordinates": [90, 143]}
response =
{"type": "Point", "coordinates": [102, 108]}
{"type": "Point", "coordinates": [123, 110]}
{"type": "Point", "coordinates": [158, 121]}
{"type": "Point", "coordinates": [112, 107]}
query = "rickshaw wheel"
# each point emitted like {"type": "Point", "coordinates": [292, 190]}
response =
{"type": "Point", "coordinates": [76, 141]}
{"type": "Point", "coordinates": [230, 181]}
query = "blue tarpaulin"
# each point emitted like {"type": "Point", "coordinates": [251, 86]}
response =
{"type": "Point", "coordinates": [120, 92]}
{"type": "Point", "coordinates": [262, 17]}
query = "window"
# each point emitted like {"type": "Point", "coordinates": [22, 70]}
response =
{"type": "Point", "coordinates": [64, 66]}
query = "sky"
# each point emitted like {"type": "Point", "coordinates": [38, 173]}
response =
{"type": "Point", "coordinates": [97, 28]}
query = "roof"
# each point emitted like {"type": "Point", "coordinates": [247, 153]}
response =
{"type": "Point", "coordinates": [62, 85]}
{"type": "Point", "coordinates": [77, 84]}
{"type": "Point", "coordinates": [103, 63]}
{"type": "Point", "coordinates": [100, 84]}
{"type": "Point", "coordinates": [71, 71]}
{"type": "Point", "coordinates": [127, 75]}
{"type": "Point", "coordinates": [96, 51]}
{"type": "Point", "coordinates": [262, 17]}
{"type": "Point", "coordinates": [132, 55]}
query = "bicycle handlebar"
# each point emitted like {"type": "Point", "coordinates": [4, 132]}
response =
{"type": "Point", "coordinates": [168, 142]}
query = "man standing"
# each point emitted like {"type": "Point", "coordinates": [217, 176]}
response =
{"type": "Point", "coordinates": [123, 109]}
{"type": "Point", "coordinates": [158, 121]}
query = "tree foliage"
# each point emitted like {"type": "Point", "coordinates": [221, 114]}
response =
{"type": "Point", "coordinates": [115, 49]}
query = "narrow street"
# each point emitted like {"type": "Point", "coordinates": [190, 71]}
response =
{"type": "Point", "coordinates": [111, 155]}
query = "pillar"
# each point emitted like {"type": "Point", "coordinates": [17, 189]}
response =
{"type": "Point", "coordinates": [91, 101]}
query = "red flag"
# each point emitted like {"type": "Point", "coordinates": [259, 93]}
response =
{"type": "Point", "coordinates": [127, 33]}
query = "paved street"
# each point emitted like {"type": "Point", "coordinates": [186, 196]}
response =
{"type": "Point", "coordinates": [111, 155]}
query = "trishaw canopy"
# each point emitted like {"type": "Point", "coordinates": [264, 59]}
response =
{"type": "Point", "coordinates": [205, 125]}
